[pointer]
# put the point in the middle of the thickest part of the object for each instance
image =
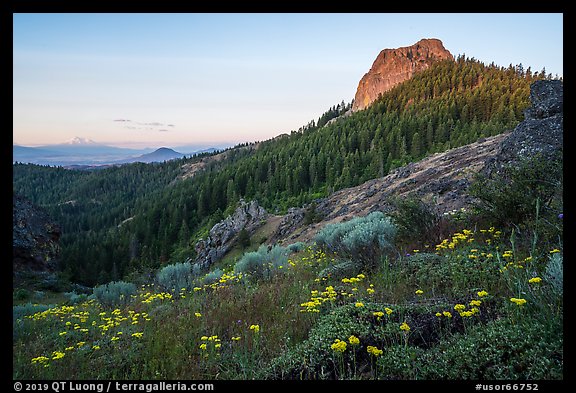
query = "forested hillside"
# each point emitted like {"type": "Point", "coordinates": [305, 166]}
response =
{"type": "Point", "coordinates": [118, 220]}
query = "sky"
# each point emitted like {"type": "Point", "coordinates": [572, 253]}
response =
{"type": "Point", "coordinates": [151, 80]}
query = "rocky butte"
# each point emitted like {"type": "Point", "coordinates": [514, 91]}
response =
{"type": "Point", "coordinates": [394, 66]}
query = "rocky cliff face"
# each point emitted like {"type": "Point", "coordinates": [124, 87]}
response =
{"type": "Point", "coordinates": [394, 66]}
{"type": "Point", "coordinates": [223, 236]}
{"type": "Point", "coordinates": [34, 238]}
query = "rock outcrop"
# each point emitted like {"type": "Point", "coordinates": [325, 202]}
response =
{"type": "Point", "coordinates": [35, 237]}
{"type": "Point", "coordinates": [541, 132]}
{"type": "Point", "coordinates": [394, 66]}
{"type": "Point", "coordinates": [223, 236]}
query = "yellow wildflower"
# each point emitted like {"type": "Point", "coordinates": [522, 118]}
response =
{"type": "Point", "coordinates": [338, 346]}
{"type": "Point", "coordinates": [419, 292]}
{"type": "Point", "coordinates": [256, 328]}
{"type": "Point", "coordinates": [535, 280]}
{"type": "Point", "coordinates": [57, 355]}
{"type": "Point", "coordinates": [475, 302]}
{"type": "Point", "coordinates": [447, 314]}
{"type": "Point", "coordinates": [519, 302]}
{"type": "Point", "coordinates": [354, 340]}
{"type": "Point", "coordinates": [40, 359]}
{"type": "Point", "coordinates": [374, 351]}
{"type": "Point", "coordinates": [359, 304]}
{"type": "Point", "coordinates": [482, 293]}
{"type": "Point", "coordinates": [405, 327]}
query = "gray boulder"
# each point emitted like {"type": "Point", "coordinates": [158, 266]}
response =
{"type": "Point", "coordinates": [223, 236]}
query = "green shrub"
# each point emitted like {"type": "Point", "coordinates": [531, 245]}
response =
{"type": "Point", "coordinates": [363, 239]}
{"type": "Point", "coordinates": [212, 277]}
{"type": "Point", "coordinates": [175, 277]}
{"type": "Point", "coordinates": [263, 263]}
{"type": "Point", "coordinates": [555, 273]}
{"type": "Point", "coordinates": [415, 220]}
{"type": "Point", "coordinates": [296, 247]}
{"type": "Point", "coordinates": [244, 238]}
{"type": "Point", "coordinates": [314, 358]}
{"type": "Point", "coordinates": [21, 294]}
{"type": "Point", "coordinates": [115, 293]}
{"type": "Point", "coordinates": [20, 327]}
{"type": "Point", "coordinates": [75, 298]}
{"type": "Point", "coordinates": [18, 312]}
{"type": "Point", "coordinates": [399, 362]}
{"type": "Point", "coordinates": [341, 270]}
{"type": "Point", "coordinates": [520, 192]}
{"type": "Point", "coordinates": [496, 351]}
{"type": "Point", "coordinates": [251, 263]}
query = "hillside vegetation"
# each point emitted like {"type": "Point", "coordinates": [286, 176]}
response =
{"type": "Point", "coordinates": [407, 294]}
{"type": "Point", "coordinates": [485, 303]}
{"type": "Point", "coordinates": [137, 218]}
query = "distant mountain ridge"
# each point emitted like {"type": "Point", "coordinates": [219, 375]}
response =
{"type": "Point", "coordinates": [82, 152]}
{"type": "Point", "coordinates": [159, 155]}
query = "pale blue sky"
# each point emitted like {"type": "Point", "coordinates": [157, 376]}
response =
{"type": "Point", "coordinates": [228, 78]}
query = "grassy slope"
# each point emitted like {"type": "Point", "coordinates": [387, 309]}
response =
{"type": "Point", "coordinates": [502, 340]}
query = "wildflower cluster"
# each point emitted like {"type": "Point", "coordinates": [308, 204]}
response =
{"type": "Point", "coordinates": [314, 257]}
{"type": "Point", "coordinates": [225, 280]}
{"type": "Point", "coordinates": [511, 263]}
{"type": "Point", "coordinates": [212, 343]}
{"type": "Point", "coordinates": [380, 314]}
{"type": "Point", "coordinates": [86, 327]}
{"type": "Point", "coordinates": [462, 310]}
{"type": "Point", "coordinates": [466, 237]}
{"type": "Point", "coordinates": [374, 351]}
{"type": "Point", "coordinates": [457, 238]}
{"type": "Point", "coordinates": [338, 346]}
{"type": "Point", "coordinates": [149, 297]}
{"type": "Point", "coordinates": [330, 294]}
{"type": "Point", "coordinates": [318, 298]}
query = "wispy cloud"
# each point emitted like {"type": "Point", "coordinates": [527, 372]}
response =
{"type": "Point", "coordinates": [154, 126]}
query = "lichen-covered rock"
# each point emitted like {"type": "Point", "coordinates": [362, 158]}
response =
{"type": "Point", "coordinates": [541, 132]}
{"type": "Point", "coordinates": [223, 236]}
